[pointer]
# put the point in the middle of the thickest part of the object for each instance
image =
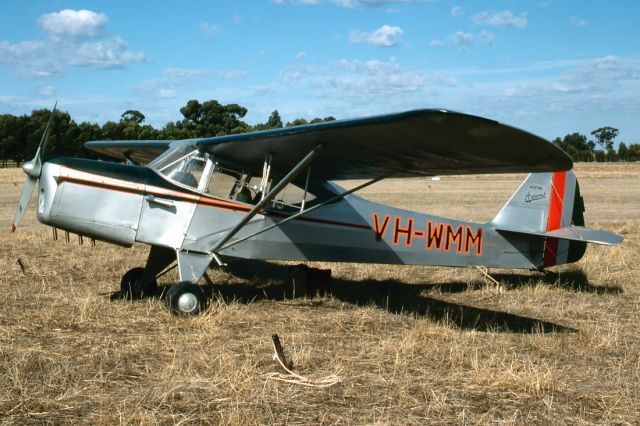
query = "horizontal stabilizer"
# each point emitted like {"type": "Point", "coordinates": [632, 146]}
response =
{"type": "Point", "coordinates": [574, 233]}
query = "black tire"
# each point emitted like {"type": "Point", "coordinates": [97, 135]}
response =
{"type": "Point", "coordinates": [185, 299]}
{"type": "Point", "coordinates": [132, 287]}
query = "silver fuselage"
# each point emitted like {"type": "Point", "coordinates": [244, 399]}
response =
{"type": "Point", "coordinates": [124, 204]}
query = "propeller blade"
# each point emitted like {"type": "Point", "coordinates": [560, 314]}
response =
{"type": "Point", "coordinates": [29, 184]}
{"type": "Point", "coordinates": [37, 159]}
{"type": "Point", "coordinates": [33, 169]}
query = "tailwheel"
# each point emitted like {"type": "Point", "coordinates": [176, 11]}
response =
{"type": "Point", "coordinates": [132, 287]}
{"type": "Point", "coordinates": [186, 299]}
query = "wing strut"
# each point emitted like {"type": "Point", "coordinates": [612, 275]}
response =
{"type": "Point", "coordinates": [303, 212]}
{"type": "Point", "coordinates": [268, 197]}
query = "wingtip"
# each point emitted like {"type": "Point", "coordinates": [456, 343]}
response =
{"type": "Point", "coordinates": [13, 228]}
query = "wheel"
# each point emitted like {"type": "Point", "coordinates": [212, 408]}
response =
{"type": "Point", "coordinates": [186, 299]}
{"type": "Point", "coordinates": [132, 287]}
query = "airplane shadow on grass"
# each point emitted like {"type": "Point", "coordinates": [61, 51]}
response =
{"type": "Point", "coordinates": [401, 298]}
{"type": "Point", "coordinates": [398, 297]}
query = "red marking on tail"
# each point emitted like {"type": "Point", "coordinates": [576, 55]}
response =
{"type": "Point", "coordinates": [555, 217]}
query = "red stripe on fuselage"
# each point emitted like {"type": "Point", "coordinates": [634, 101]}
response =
{"type": "Point", "coordinates": [554, 219]}
{"type": "Point", "coordinates": [198, 199]}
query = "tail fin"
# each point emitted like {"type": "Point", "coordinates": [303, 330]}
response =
{"type": "Point", "coordinates": [549, 205]}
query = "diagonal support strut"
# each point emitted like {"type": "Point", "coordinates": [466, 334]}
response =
{"type": "Point", "coordinates": [268, 197]}
{"type": "Point", "coordinates": [309, 210]}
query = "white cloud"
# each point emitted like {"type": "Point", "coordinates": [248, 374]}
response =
{"type": "Point", "coordinates": [110, 53]}
{"type": "Point", "coordinates": [467, 40]}
{"type": "Point", "coordinates": [577, 21]}
{"type": "Point", "coordinates": [354, 78]}
{"type": "Point", "coordinates": [374, 3]}
{"type": "Point", "coordinates": [446, 80]}
{"type": "Point", "coordinates": [45, 90]}
{"type": "Point", "coordinates": [436, 43]}
{"type": "Point", "coordinates": [501, 19]}
{"type": "Point", "coordinates": [67, 46]}
{"type": "Point", "coordinates": [166, 93]}
{"type": "Point", "coordinates": [37, 59]}
{"type": "Point", "coordinates": [457, 11]}
{"type": "Point", "coordinates": [385, 36]}
{"type": "Point", "coordinates": [73, 23]}
{"type": "Point", "coordinates": [596, 77]}
{"type": "Point", "coordinates": [486, 38]}
{"type": "Point", "coordinates": [210, 30]}
{"type": "Point", "coordinates": [462, 39]}
{"type": "Point", "coordinates": [302, 2]}
{"type": "Point", "coordinates": [174, 78]}
{"type": "Point", "coordinates": [350, 4]}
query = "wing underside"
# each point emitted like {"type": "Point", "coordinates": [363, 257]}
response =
{"type": "Point", "coordinates": [137, 151]}
{"type": "Point", "coordinates": [414, 143]}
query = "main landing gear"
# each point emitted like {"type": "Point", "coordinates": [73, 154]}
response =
{"type": "Point", "coordinates": [134, 285]}
{"type": "Point", "coordinates": [185, 299]}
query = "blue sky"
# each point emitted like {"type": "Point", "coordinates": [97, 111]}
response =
{"type": "Point", "coordinates": [547, 66]}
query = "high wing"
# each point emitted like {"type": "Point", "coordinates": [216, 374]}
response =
{"type": "Point", "coordinates": [137, 151]}
{"type": "Point", "coordinates": [422, 142]}
{"type": "Point", "coordinates": [413, 143]}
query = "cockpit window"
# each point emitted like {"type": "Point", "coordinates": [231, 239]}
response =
{"type": "Point", "coordinates": [182, 167]}
{"type": "Point", "coordinates": [201, 171]}
{"type": "Point", "coordinates": [233, 185]}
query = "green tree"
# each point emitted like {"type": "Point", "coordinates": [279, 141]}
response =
{"type": "Point", "coordinates": [297, 122]}
{"type": "Point", "coordinates": [132, 116]}
{"type": "Point", "coordinates": [633, 152]}
{"type": "Point", "coordinates": [605, 136]}
{"type": "Point", "coordinates": [623, 151]}
{"type": "Point", "coordinates": [174, 131]}
{"type": "Point", "coordinates": [13, 137]}
{"type": "Point", "coordinates": [113, 131]}
{"type": "Point", "coordinates": [576, 145]}
{"type": "Point", "coordinates": [321, 120]}
{"type": "Point", "coordinates": [213, 119]}
{"type": "Point", "coordinates": [274, 122]}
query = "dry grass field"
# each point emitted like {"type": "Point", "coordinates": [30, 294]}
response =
{"type": "Point", "coordinates": [411, 345]}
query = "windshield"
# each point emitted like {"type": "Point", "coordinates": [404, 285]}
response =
{"type": "Point", "coordinates": [183, 165]}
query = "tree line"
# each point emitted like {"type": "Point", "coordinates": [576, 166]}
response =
{"type": "Point", "coordinates": [580, 148]}
{"type": "Point", "coordinates": [20, 135]}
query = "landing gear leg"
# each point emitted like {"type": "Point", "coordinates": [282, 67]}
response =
{"type": "Point", "coordinates": [141, 282]}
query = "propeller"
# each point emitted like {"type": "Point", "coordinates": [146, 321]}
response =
{"type": "Point", "coordinates": [33, 169]}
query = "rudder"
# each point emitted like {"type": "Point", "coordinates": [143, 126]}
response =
{"type": "Point", "coordinates": [543, 203]}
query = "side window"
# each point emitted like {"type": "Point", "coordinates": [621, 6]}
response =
{"type": "Point", "coordinates": [292, 196]}
{"type": "Point", "coordinates": [186, 169]}
{"type": "Point", "coordinates": [223, 184]}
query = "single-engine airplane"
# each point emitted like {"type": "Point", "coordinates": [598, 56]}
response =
{"type": "Point", "coordinates": [271, 195]}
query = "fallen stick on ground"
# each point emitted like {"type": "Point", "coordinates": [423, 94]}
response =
{"type": "Point", "coordinates": [290, 376]}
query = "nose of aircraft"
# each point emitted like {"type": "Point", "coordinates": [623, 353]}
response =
{"type": "Point", "coordinates": [33, 169]}
{"type": "Point", "coordinates": [28, 168]}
